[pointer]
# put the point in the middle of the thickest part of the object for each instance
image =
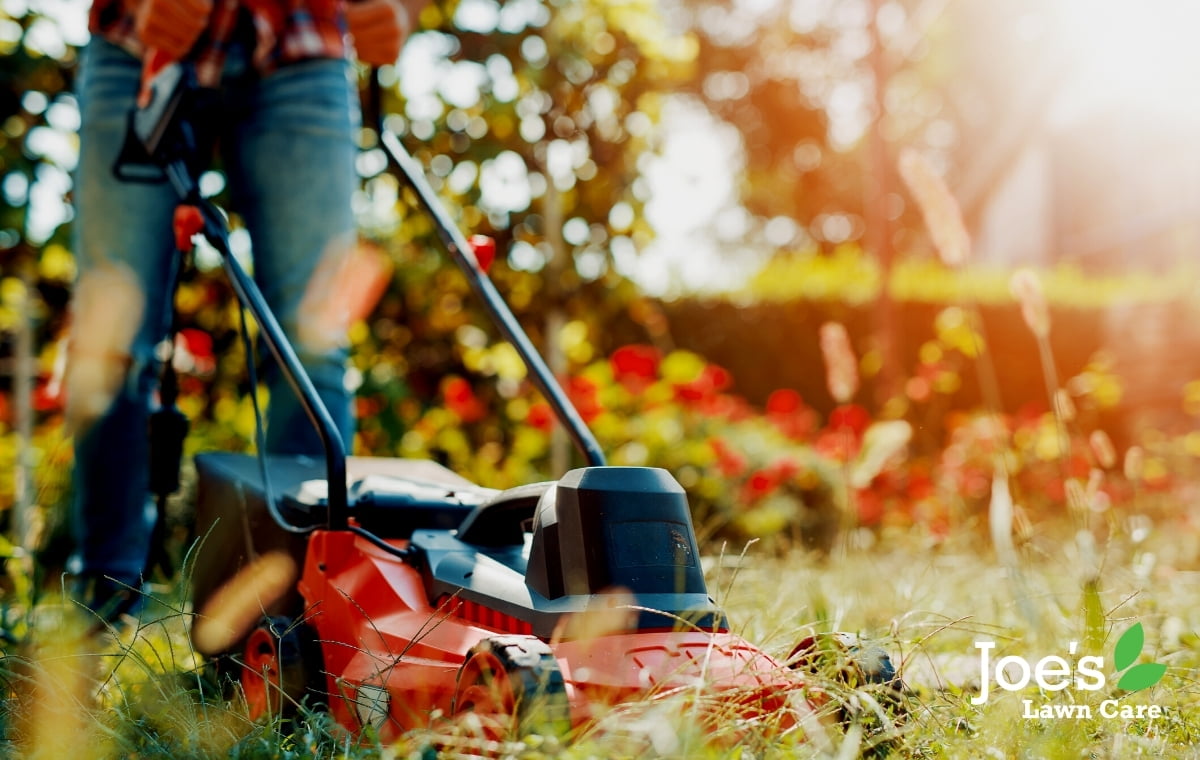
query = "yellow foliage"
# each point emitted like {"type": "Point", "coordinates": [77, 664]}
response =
{"type": "Point", "coordinates": [1191, 443]}
{"type": "Point", "coordinates": [517, 409]}
{"type": "Point", "coordinates": [501, 126]}
{"type": "Point", "coordinates": [954, 331]}
{"type": "Point", "coordinates": [852, 276]}
{"type": "Point", "coordinates": [573, 340]}
{"type": "Point", "coordinates": [769, 520]}
{"type": "Point", "coordinates": [1098, 383]}
{"type": "Point", "coordinates": [1047, 444]}
{"type": "Point", "coordinates": [1191, 398]}
{"type": "Point", "coordinates": [56, 263]}
{"type": "Point", "coordinates": [506, 362]}
{"type": "Point", "coordinates": [1155, 469]}
{"type": "Point", "coordinates": [845, 275]}
{"type": "Point", "coordinates": [413, 445]}
{"type": "Point", "coordinates": [947, 382]}
{"type": "Point", "coordinates": [871, 363]}
{"type": "Point", "coordinates": [12, 302]}
{"type": "Point", "coordinates": [529, 444]}
{"type": "Point", "coordinates": [453, 441]}
{"type": "Point", "coordinates": [930, 353]}
{"type": "Point", "coordinates": [681, 367]}
{"type": "Point", "coordinates": [244, 422]}
{"type": "Point", "coordinates": [358, 333]}
{"type": "Point", "coordinates": [643, 23]}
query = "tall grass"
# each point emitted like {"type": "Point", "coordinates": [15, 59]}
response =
{"type": "Point", "coordinates": [142, 692]}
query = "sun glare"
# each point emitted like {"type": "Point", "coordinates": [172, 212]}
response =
{"type": "Point", "coordinates": [1139, 54]}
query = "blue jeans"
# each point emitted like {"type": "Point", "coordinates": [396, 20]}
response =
{"type": "Point", "coordinates": [288, 144]}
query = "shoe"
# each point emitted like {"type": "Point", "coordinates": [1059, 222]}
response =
{"type": "Point", "coordinates": [110, 602]}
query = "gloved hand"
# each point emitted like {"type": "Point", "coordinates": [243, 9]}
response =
{"type": "Point", "coordinates": [171, 26]}
{"type": "Point", "coordinates": [379, 29]}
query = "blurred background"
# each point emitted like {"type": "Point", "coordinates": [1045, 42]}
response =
{"type": "Point", "coordinates": [683, 195]}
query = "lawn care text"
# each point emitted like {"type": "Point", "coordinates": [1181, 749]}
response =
{"type": "Point", "coordinates": [1053, 674]}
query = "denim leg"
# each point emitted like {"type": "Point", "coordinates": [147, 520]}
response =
{"type": "Point", "coordinates": [292, 175]}
{"type": "Point", "coordinates": [129, 224]}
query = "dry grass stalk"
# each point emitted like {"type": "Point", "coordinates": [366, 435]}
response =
{"type": "Point", "coordinates": [940, 210]}
{"type": "Point", "coordinates": [1026, 287]}
{"type": "Point", "coordinates": [841, 367]}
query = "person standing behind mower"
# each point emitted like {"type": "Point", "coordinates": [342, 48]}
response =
{"type": "Point", "coordinates": [285, 116]}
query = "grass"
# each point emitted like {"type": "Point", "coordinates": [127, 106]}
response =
{"type": "Point", "coordinates": [142, 693]}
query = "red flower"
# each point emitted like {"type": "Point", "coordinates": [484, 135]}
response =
{"type": "Point", "coordinates": [759, 484]}
{"type": "Point", "coordinates": [850, 417]}
{"type": "Point", "coordinates": [1030, 415]}
{"type": "Point", "coordinates": [842, 437]}
{"type": "Point", "coordinates": [790, 415]}
{"type": "Point", "coordinates": [730, 463]}
{"type": "Point", "coordinates": [1079, 466]}
{"type": "Point", "coordinates": [48, 397]}
{"type": "Point", "coordinates": [721, 406]}
{"type": "Point", "coordinates": [838, 445]}
{"type": "Point", "coordinates": [785, 468]}
{"type": "Point", "coordinates": [540, 417]}
{"type": "Point", "coordinates": [194, 352]}
{"type": "Point", "coordinates": [585, 395]}
{"type": "Point", "coordinates": [635, 365]}
{"type": "Point", "coordinates": [765, 481]}
{"type": "Point", "coordinates": [784, 401]}
{"type": "Point", "coordinates": [869, 505]}
{"type": "Point", "coordinates": [460, 399]}
{"type": "Point", "coordinates": [712, 380]}
{"type": "Point", "coordinates": [366, 407]}
{"type": "Point", "coordinates": [919, 487]}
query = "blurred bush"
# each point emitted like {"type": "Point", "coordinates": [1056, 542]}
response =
{"type": "Point", "coordinates": [731, 399]}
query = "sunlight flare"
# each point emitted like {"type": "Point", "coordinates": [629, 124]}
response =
{"type": "Point", "coordinates": [106, 315]}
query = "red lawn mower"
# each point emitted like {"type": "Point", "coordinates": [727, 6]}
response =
{"type": "Point", "coordinates": [397, 593]}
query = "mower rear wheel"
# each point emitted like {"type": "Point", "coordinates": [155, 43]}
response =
{"type": "Point", "coordinates": [277, 668]}
{"type": "Point", "coordinates": [514, 684]}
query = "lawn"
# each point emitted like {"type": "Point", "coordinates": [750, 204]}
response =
{"type": "Point", "coordinates": [140, 692]}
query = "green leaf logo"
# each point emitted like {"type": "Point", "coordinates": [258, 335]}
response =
{"type": "Point", "coordinates": [1129, 646]}
{"type": "Point", "coordinates": [1128, 649]}
{"type": "Point", "coordinates": [1142, 676]}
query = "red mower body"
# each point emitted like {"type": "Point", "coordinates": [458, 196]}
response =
{"type": "Point", "coordinates": [419, 653]}
{"type": "Point", "coordinates": [511, 615]}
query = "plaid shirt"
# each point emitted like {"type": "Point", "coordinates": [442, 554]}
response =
{"type": "Point", "coordinates": [287, 31]}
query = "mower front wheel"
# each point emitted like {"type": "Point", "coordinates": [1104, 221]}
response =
{"type": "Point", "coordinates": [514, 684]}
{"type": "Point", "coordinates": [277, 667]}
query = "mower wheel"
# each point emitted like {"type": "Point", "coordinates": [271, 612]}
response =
{"type": "Point", "coordinates": [514, 683]}
{"type": "Point", "coordinates": [280, 661]}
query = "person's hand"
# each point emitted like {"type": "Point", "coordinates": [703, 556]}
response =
{"type": "Point", "coordinates": [379, 29]}
{"type": "Point", "coordinates": [171, 26]}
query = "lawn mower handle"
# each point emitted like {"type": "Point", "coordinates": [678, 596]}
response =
{"type": "Point", "coordinates": [297, 379]}
{"type": "Point", "coordinates": [462, 254]}
{"type": "Point", "coordinates": [159, 135]}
